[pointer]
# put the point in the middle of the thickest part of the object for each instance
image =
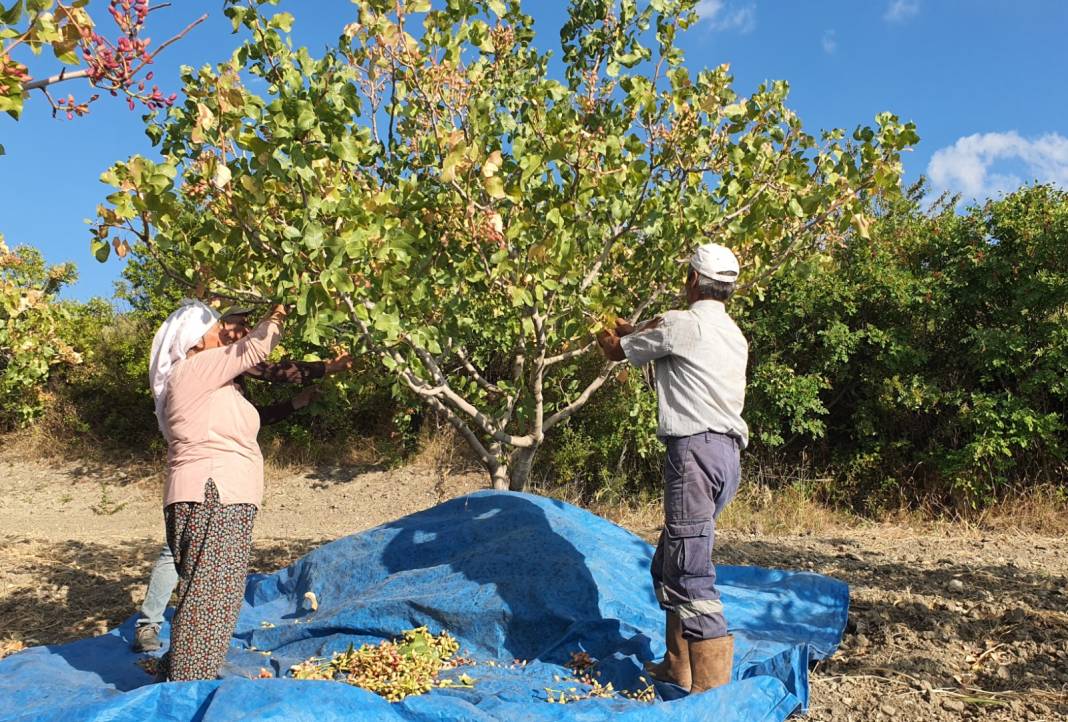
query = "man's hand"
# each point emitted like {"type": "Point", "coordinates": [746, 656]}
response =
{"type": "Point", "coordinates": [343, 362]}
{"type": "Point", "coordinates": [305, 397]}
{"type": "Point", "coordinates": [623, 327]}
{"type": "Point", "coordinates": [609, 343]}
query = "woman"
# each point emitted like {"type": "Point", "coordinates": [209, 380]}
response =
{"type": "Point", "coordinates": [214, 480]}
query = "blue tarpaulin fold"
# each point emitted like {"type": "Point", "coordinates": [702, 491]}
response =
{"type": "Point", "coordinates": [511, 576]}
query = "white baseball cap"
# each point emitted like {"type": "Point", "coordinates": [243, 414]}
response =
{"type": "Point", "coordinates": [716, 262]}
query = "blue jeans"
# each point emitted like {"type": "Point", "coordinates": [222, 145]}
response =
{"type": "Point", "coordinates": [701, 474]}
{"type": "Point", "coordinates": [160, 586]}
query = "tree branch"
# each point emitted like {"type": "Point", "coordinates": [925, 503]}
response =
{"type": "Point", "coordinates": [462, 404]}
{"type": "Point", "coordinates": [568, 355]}
{"type": "Point", "coordinates": [564, 413]}
{"type": "Point", "coordinates": [52, 79]}
{"type": "Point", "coordinates": [473, 372]}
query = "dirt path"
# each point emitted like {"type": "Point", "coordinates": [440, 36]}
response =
{"type": "Point", "coordinates": [945, 624]}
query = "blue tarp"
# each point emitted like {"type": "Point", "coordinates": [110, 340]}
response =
{"type": "Point", "coordinates": [511, 576]}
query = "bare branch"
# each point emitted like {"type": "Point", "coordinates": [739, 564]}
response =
{"type": "Point", "coordinates": [568, 355]}
{"type": "Point", "coordinates": [538, 380]}
{"type": "Point", "coordinates": [174, 39]}
{"type": "Point", "coordinates": [461, 404]}
{"type": "Point", "coordinates": [654, 296]}
{"type": "Point", "coordinates": [473, 372]}
{"type": "Point", "coordinates": [457, 423]}
{"type": "Point", "coordinates": [442, 391]}
{"type": "Point", "coordinates": [566, 412]}
{"type": "Point", "coordinates": [52, 79]}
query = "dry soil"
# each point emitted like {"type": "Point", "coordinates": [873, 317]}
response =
{"type": "Point", "coordinates": [946, 623]}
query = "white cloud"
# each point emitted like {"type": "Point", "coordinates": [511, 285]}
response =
{"type": "Point", "coordinates": [901, 10]}
{"type": "Point", "coordinates": [722, 15]}
{"type": "Point", "coordinates": [985, 164]}
{"type": "Point", "coordinates": [829, 41]}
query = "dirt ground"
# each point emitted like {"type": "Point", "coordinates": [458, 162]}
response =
{"type": "Point", "coordinates": [946, 623]}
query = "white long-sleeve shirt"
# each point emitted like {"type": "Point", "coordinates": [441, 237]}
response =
{"type": "Point", "coordinates": [700, 357]}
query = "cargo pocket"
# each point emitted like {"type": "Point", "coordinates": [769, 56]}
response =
{"type": "Point", "coordinates": [690, 547]}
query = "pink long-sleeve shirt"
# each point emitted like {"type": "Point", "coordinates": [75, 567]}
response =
{"type": "Point", "coordinates": [213, 427]}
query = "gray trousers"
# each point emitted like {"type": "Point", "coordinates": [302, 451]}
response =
{"type": "Point", "coordinates": [160, 586]}
{"type": "Point", "coordinates": [701, 474]}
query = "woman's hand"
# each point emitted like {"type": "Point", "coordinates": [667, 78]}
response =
{"type": "Point", "coordinates": [279, 313]}
{"type": "Point", "coordinates": [342, 362]}
{"type": "Point", "coordinates": [305, 397]}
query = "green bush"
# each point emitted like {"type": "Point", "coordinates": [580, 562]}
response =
{"type": "Point", "coordinates": [929, 361]}
{"type": "Point", "coordinates": [105, 400]}
{"type": "Point", "coordinates": [609, 450]}
{"type": "Point", "coordinates": [32, 345]}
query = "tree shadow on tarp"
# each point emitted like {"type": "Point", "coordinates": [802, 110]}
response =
{"type": "Point", "coordinates": [524, 591]}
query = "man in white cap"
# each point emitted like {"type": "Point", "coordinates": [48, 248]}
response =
{"type": "Point", "coordinates": [700, 356]}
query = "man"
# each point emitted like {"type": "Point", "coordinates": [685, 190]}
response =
{"type": "Point", "coordinates": [700, 358]}
{"type": "Point", "coordinates": [164, 576]}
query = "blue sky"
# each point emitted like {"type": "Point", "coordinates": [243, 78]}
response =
{"type": "Point", "coordinates": [983, 80]}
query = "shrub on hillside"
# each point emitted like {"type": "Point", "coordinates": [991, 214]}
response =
{"type": "Point", "coordinates": [928, 361]}
{"type": "Point", "coordinates": [31, 345]}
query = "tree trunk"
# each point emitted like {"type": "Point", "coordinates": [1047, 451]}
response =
{"type": "Point", "coordinates": [499, 477]}
{"type": "Point", "coordinates": [519, 465]}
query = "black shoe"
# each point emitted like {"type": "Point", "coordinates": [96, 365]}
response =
{"type": "Point", "coordinates": [146, 638]}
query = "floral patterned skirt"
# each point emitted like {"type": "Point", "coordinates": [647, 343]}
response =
{"type": "Point", "coordinates": [211, 544]}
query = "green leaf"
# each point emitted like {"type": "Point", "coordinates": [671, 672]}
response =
{"type": "Point", "coordinates": [448, 166]}
{"type": "Point", "coordinates": [346, 150]}
{"type": "Point", "coordinates": [281, 21]}
{"type": "Point", "coordinates": [101, 249]}
{"type": "Point", "coordinates": [313, 236]}
{"type": "Point", "coordinates": [306, 119]}
{"type": "Point", "coordinates": [494, 187]}
{"type": "Point", "coordinates": [13, 14]}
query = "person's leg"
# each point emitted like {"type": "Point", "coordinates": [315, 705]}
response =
{"type": "Point", "coordinates": [688, 574]}
{"type": "Point", "coordinates": [161, 585]}
{"type": "Point", "coordinates": [675, 667]}
{"type": "Point", "coordinates": [705, 478]}
{"type": "Point", "coordinates": [211, 544]}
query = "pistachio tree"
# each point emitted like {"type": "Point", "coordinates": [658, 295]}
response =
{"type": "Point", "coordinates": [431, 192]}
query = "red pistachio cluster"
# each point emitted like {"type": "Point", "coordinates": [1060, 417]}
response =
{"type": "Point", "coordinates": [74, 108]}
{"type": "Point", "coordinates": [112, 66]}
{"type": "Point", "coordinates": [10, 69]}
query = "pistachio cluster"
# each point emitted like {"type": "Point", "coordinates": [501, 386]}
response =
{"type": "Point", "coordinates": [582, 667]}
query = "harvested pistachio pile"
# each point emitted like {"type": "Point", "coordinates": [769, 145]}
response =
{"type": "Point", "coordinates": [392, 669]}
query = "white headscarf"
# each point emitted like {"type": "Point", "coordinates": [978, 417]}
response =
{"type": "Point", "coordinates": [182, 330]}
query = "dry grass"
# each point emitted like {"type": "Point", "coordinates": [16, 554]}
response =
{"type": "Point", "coordinates": [280, 457]}
{"type": "Point", "coordinates": [1040, 510]}
{"type": "Point", "coordinates": [796, 510]}
{"type": "Point", "coordinates": [41, 444]}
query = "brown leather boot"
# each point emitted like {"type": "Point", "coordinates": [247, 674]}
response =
{"type": "Point", "coordinates": [675, 667]}
{"type": "Point", "coordinates": [710, 662]}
